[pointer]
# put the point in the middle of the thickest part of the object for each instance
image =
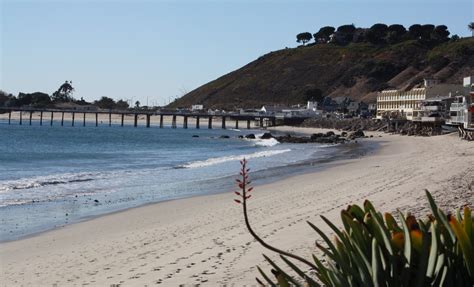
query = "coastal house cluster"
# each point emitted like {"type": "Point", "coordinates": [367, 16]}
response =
{"type": "Point", "coordinates": [432, 102]}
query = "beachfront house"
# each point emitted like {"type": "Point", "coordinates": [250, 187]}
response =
{"type": "Point", "coordinates": [408, 103]}
{"type": "Point", "coordinates": [462, 109]}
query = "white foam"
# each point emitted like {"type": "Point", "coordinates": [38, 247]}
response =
{"type": "Point", "coordinates": [218, 160]}
{"type": "Point", "coordinates": [266, 142]}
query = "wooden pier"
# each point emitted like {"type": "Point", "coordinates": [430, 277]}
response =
{"type": "Point", "coordinates": [182, 117]}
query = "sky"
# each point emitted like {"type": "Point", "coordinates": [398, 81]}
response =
{"type": "Point", "coordinates": [155, 51]}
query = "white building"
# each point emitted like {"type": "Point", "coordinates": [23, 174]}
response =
{"type": "Point", "coordinates": [197, 108]}
{"type": "Point", "coordinates": [407, 104]}
{"type": "Point", "coordinates": [462, 109]}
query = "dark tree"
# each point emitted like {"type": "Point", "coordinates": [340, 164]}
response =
{"type": "Point", "coordinates": [304, 37]}
{"type": "Point", "coordinates": [137, 104]}
{"type": "Point", "coordinates": [440, 34]}
{"type": "Point", "coordinates": [395, 33]}
{"type": "Point", "coordinates": [63, 94]}
{"type": "Point", "coordinates": [314, 95]}
{"type": "Point", "coordinates": [105, 103]}
{"type": "Point", "coordinates": [323, 35]}
{"type": "Point", "coordinates": [377, 33]}
{"type": "Point", "coordinates": [454, 37]}
{"type": "Point", "coordinates": [415, 31]}
{"type": "Point", "coordinates": [470, 26]}
{"type": "Point", "coordinates": [121, 105]}
{"type": "Point", "coordinates": [344, 34]}
{"type": "Point", "coordinates": [426, 31]}
{"type": "Point", "coordinates": [38, 100]}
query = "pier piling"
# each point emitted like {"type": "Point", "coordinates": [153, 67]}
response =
{"type": "Point", "coordinates": [9, 117]}
{"type": "Point", "coordinates": [135, 122]}
{"type": "Point", "coordinates": [223, 122]}
{"type": "Point", "coordinates": [248, 124]}
{"type": "Point", "coordinates": [84, 120]}
{"type": "Point", "coordinates": [161, 121]}
{"type": "Point", "coordinates": [121, 122]}
{"type": "Point", "coordinates": [62, 119]}
{"type": "Point", "coordinates": [173, 122]}
{"type": "Point", "coordinates": [21, 118]}
{"type": "Point", "coordinates": [96, 119]}
{"type": "Point", "coordinates": [236, 124]}
{"type": "Point", "coordinates": [197, 122]}
{"type": "Point", "coordinates": [185, 122]}
{"type": "Point", "coordinates": [261, 122]}
{"type": "Point", "coordinates": [73, 116]}
{"type": "Point", "coordinates": [110, 119]}
{"type": "Point", "coordinates": [52, 118]}
{"type": "Point", "coordinates": [41, 118]}
{"type": "Point", "coordinates": [209, 124]}
{"type": "Point", "coordinates": [31, 116]}
{"type": "Point", "coordinates": [147, 121]}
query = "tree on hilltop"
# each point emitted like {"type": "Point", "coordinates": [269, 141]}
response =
{"type": "Point", "coordinates": [324, 33]}
{"type": "Point", "coordinates": [395, 33]}
{"type": "Point", "coordinates": [426, 31]}
{"type": "Point", "coordinates": [415, 31]}
{"type": "Point", "coordinates": [304, 37]}
{"type": "Point", "coordinates": [376, 33]}
{"type": "Point", "coordinates": [471, 27]}
{"type": "Point", "coordinates": [344, 34]}
{"type": "Point", "coordinates": [440, 33]}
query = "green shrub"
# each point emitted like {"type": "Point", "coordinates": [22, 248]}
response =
{"type": "Point", "coordinates": [372, 250]}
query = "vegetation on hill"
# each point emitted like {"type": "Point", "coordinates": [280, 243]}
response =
{"type": "Point", "coordinates": [347, 61]}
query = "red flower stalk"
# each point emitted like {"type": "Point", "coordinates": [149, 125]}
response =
{"type": "Point", "coordinates": [245, 189]}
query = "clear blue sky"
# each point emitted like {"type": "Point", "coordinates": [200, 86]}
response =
{"type": "Point", "coordinates": [160, 49]}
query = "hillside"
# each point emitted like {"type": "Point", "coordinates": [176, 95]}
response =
{"type": "Point", "coordinates": [357, 70]}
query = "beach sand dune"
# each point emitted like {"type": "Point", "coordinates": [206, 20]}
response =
{"type": "Point", "coordinates": [204, 240]}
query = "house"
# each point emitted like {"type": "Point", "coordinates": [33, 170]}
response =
{"type": "Point", "coordinates": [462, 109]}
{"type": "Point", "coordinates": [408, 103]}
{"type": "Point", "coordinates": [195, 108]}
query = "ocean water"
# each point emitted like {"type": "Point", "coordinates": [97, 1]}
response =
{"type": "Point", "coordinates": [53, 176]}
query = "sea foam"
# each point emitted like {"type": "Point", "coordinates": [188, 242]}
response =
{"type": "Point", "coordinates": [218, 160]}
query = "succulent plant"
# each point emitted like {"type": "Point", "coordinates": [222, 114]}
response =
{"type": "Point", "coordinates": [378, 250]}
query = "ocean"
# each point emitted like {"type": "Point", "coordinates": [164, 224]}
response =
{"type": "Point", "coordinates": [51, 176]}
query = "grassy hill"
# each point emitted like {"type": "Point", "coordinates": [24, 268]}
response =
{"type": "Point", "coordinates": [357, 70]}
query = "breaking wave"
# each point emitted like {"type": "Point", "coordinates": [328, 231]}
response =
{"type": "Point", "coordinates": [218, 160]}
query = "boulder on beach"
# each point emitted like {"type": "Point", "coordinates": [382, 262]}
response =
{"type": "Point", "coordinates": [195, 136]}
{"type": "Point", "coordinates": [250, 136]}
{"type": "Point", "coordinates": [317, 135]}
{"type": "Point", "coordinates": [224, 137]}
{"type": "Point", "coordinates": [266, 136]}
{"type": "Point", "coordinates": [356, 134]}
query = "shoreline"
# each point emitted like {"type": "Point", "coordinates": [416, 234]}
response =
{"type": "Point", "coordinates": [203, 240]}
{"type": "Point", "coordinates": [312, 165]}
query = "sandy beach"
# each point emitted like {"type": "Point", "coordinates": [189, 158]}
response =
{"type": "Point", "coordinates": [203, 240]}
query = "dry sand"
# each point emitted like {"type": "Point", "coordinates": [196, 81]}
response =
{"type": "Point", "coordinates": [204, 240]}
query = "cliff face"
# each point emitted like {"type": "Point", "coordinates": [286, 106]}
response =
{"type": "Point", "coordinates": [357, 71]}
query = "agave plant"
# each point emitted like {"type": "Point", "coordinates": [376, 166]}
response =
{"type": "Point", "coordinates": [377, 250]}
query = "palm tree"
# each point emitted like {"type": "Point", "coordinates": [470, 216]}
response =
{"type": "Point", "coordinates": [471, 27]}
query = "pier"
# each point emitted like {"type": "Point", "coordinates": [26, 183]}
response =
{"type": "Point", "coordinates": [221, 119]}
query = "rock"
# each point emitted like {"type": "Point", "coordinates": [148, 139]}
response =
{"type": "Point", "coordinates": [317, 135]}
{"type": "Point", "coordinates": [240, 136]}
{"type": "Point", "coordinates": [266, 136]}
{"type": "Point", "coordinates": [356, 134]}
{"type": "Point", "coordinates": [344, 134]}
{"type": "Point", "coordinates": [250, 136]}
{"type": "Point", "coordinates": [195, 136]}
{"type": "Point", "coordinates": [224, 137]}
{"type": "Point", "coordinates": [330, 133]}
{"type": "Point", "coordinates": [96, 201]}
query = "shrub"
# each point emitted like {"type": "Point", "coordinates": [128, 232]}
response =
{"type": "Point", "coordinates": [377, 250]}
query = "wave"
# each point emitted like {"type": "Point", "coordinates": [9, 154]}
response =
{"type": "Point", "coordinates": [27, 183]}
{"type": "Point", "coordinates": [218, 160]}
